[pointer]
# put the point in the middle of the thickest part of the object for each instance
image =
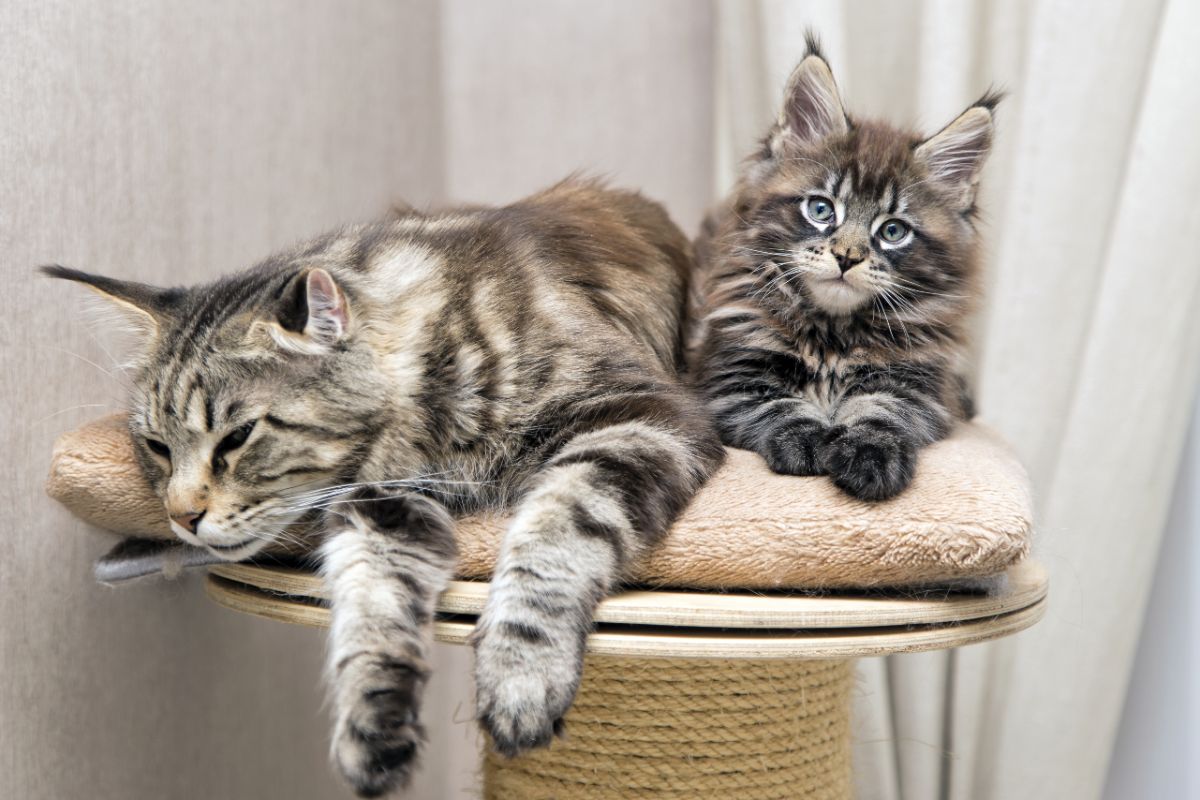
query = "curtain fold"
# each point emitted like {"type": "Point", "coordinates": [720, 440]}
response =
{"type": "Point", "coordinates": [1086, 358]}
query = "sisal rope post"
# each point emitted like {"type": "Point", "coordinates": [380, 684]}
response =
{"type": "Point", "coordinates": [676, 729]}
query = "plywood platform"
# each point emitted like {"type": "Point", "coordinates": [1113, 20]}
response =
{"type": "Point", "coordinates": [704, 624]}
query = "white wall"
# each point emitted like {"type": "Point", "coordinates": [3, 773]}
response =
{"type": "Point", "coordinates": [1159, 739]}
{"type": "Point", "coordinates": [535, 90]}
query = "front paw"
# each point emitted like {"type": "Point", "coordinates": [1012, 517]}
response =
{"type": "Point", "coordinates": [524, 684]}
{"type": "Point", "coordinates": [792, 448]}
{"type": "Point", "coordinates": [867, 461]}
{"type": "Point", "coordinates": [377, 735]}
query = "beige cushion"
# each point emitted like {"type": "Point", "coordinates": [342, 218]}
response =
{"type": "Point", "coordinates": [967, 515]}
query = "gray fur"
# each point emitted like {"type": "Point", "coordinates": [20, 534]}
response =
{"type": "Point", "coordinates": [359, 391]}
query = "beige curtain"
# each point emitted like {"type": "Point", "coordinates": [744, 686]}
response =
{"type": "Point", "coordinates": [1087, 358]}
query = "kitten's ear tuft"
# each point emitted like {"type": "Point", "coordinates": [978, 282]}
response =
{"type": "Point", "coordinates": [147, 308]}
{"type": "Point", "coordinates": [812, 105]}
{"type": "Point", "coordinates": [812, 45]}
{"type": "Point", "coordinates": [954, 156]}
{"type": "Point", "coordinates": [315, 314]}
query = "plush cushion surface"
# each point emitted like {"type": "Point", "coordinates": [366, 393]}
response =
{"type": "Point", "coordinates": [967, 515]}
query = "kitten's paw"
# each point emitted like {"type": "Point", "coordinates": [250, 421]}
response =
{"type": "Point", "coordinates": [868, 462]}
{"type": "Point", "coordinates": [794, 446]}
{"type": "Point", "coordinates": [523, 689]}
{"type": "Point", "coordinates": [377, 735]}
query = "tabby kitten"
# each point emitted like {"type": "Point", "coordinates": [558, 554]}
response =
{"type": "Point", "coordinates": [836, 281]}
{"type": "Point", "coordinates": [380, 380]}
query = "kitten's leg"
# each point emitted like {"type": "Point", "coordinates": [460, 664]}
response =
{"type": "Point", "coordinates": [385, 561]}
{"type": "Point", "coordinates": [754, 395]}
{"type": "Point", "coordinates": [786, 431]}
{"type": "Point", "coordinates": [871, 450]}
{"type": "Point", "coordinates": [603, 501]}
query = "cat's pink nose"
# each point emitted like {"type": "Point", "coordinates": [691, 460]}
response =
{"type": "Point", "coordinates": [188, 521]}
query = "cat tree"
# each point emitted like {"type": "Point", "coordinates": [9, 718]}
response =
{"type": "Point", "coordinates": [699, 694]}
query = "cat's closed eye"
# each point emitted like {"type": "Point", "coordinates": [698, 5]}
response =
{"type": "Point", "coordinates": [158, 448]}
{"type": "Point", "coordinates": [230, 443]}
{"type": "Point", "coordinates": [236, 439]}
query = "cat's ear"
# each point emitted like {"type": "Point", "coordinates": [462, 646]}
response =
{"type": "Point", "coordinates": [812, 105]}
{"type": "Point", "coordinates": [315, 314]}
{"type": "Point", "coordinates": [146, 308]}
{"type": "Point", "coordinates": [954, 155]}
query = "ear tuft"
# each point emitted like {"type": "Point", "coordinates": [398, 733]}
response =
{"type": "Point", "coordinates": [991, 99]}
{"type": "Point", "coordinates": [812, 105]}
{"type": "Point", "coordinates": [812, 45]}
{"type": "Point", "coordinates": [146, 307]}
{"type": "Point", "coordinates": [955, 155]}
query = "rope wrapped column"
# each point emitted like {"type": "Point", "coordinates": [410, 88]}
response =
{"type": "Point", "coordinates": [668, 729]}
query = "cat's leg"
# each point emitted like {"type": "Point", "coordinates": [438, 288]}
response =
{"type": "Point", "coordinates": [754, 394]}
{"type": "Point", "coordinates": [604, 500]}
{"type": "Point", "coordinates": [885, 417]}
{"type": "Point", "coordinates": [786, 431]}
{"type": "Point", "coordinates": [386, 559]}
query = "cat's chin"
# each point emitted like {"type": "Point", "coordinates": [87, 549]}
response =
{"type": "Point", "coordinates": [239, 551]}
{"type": "Point", "coordinates": [234, 550]}
{"type": "Point", "coordinates": [837, 297]}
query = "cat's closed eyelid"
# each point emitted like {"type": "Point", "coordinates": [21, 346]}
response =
{"type": "Point", "coordinates": [237, 437]}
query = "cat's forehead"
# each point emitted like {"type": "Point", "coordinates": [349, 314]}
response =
{"type": "Point", "coordinates": [873, 162]}
{"type": "Point", "coordinates": [875, 150]}
{"type": "Point", "coordinates": [195, 395]}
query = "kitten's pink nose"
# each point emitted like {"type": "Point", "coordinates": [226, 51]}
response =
{"type": "Point", "coordinates": [189, 521]}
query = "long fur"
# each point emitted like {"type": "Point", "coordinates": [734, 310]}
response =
{"type": "Point", "coordinates": [363, 389]}
{"type": "Point", "coordinates": [818, 343]}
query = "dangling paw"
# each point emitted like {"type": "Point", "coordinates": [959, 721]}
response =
{"type": "Point", "coordinates": [377, 735]}
{"type": "Point", "coordinates": [524, 684]}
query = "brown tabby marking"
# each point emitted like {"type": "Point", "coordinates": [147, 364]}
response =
{"type": "Point", "coordinates": [376, 382]}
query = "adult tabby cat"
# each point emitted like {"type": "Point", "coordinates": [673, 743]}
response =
{"type": "Point", "coordinates": [384, 378]}
{"type": "Point", "coordinates": [830, 326]}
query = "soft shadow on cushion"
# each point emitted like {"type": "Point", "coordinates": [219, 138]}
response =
{"type": "Point", "coordinates": [967, 515]}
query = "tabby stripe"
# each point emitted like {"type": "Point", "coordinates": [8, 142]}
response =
{"type": "Point", "coordinates": [302, 427]}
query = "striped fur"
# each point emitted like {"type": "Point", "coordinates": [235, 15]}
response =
{"type": "Point", "coordinates": [372, 384]}
{"type": "Point", "coordinates": [828, 327]}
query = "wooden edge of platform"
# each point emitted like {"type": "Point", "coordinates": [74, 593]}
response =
{"type": "Point", "coordinates": [1026, 585]}
{"type": "Point", "coordinates": [684, 642]}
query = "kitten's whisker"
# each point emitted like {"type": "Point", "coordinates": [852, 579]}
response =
{"type": "Point", "coordinates": [889, 298]}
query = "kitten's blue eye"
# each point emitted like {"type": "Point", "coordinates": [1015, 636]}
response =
{"type": "Point", "coordinates": [820, 209]}
{"type": "Point", "coordinates": [893, 231]}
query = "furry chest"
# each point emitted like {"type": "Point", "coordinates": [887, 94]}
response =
{"type": "Point", "coordinates": [827, 376]}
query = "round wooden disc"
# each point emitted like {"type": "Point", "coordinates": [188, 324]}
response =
{"type": "Point", "coordinates": [705, 624]}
